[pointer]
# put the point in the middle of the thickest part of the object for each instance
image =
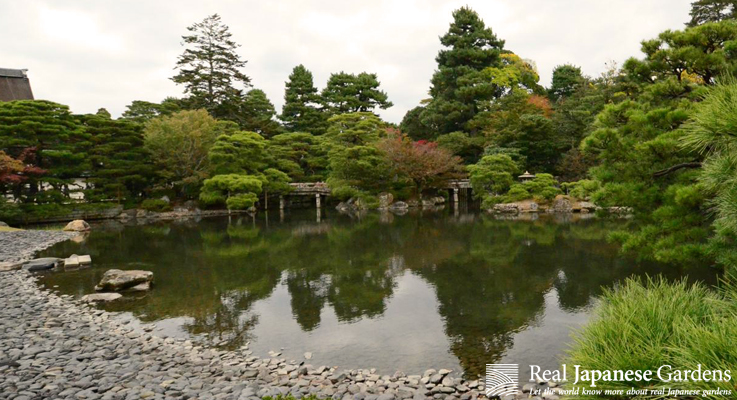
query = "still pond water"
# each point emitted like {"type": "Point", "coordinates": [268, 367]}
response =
{"type": "Point", "coordinates": [389, 292]}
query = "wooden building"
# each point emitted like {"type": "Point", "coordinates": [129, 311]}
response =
{"type": "Point", "coordinates": [14, 85]}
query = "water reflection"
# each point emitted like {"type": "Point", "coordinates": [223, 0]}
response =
{"type": "Point", "coordinates": [376, 290]}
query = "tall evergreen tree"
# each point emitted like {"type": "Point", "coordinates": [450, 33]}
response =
{"type": "Point", "coordinates": [349, 93]}
{"type": "Point", "coordinates": [210, 68]}
{"type": "Point", "coordinates": [566, 79]}
{"type": "Point", "coordinates": [703, 11]}
{"type": "Point", "coordinates": [459, 87]}
{"type": "Point", "coordinates": [258, 114]}
{"type": "Point", "coordinates": [301, 111]}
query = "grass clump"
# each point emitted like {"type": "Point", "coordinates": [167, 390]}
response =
{"type": "Point", "coordinates": [645, 325]}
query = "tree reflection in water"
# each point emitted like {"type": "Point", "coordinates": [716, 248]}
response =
{"type": "Point", "coordinates": [490, 277]}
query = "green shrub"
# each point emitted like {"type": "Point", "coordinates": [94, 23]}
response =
{"type": "Point", "coordinates": [582, 189]}
{"type": "Point", "coordinates": [290, 397]}
{"type": "Point", "coordinates": [9, 211]}
{"type": "Point", "coordinates": [517, 193]}
{"type": "Point", "coordinates": [241, 201]}
{"type": "Point", "coordinates": [643, 326]}
{"type": "Point", "coordinates": [343, 192]}
{"type": "Point", "coordinates": [543, 187]}
{"type": "Point", "coordinates": [489, 201]}
{"type": "Point", "coordinates": [155, 205]}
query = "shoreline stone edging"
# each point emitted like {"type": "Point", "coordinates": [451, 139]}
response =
{"type": "Point", "coordinates": [22, 245]}
{"type": "Point", "coordinates": [54, 346]}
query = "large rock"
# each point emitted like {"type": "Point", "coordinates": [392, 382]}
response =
{"type": "Point", "coordinates": [399, 205]}
{"type": "Point", "coordinates": [41, 264]}
{"type": "Point", "coordinates": [509, 208]}
{"type": "Point", "coordinates": [528, 206]}
{"type": "Point", "coordinates": [116, 280]}
{"type": "Point", "coordinates": [620, 211]}
{"type": "Point", "coordinates": [562, 204]}
{"type": "Point", "coordinates": [428, 203]}
{"type": "Point", "coordinates": [101, 297]}
{"type": "Point", "coordinates": [77, 225]}
{"type": "Point", "coordinates": [3, 224]}
{"type": "Point", "coordinates": [385, 199]}
{"type": "Point", "coordinates": [584, 206]}
{"type": "Point", "coordinates": [439, 200]}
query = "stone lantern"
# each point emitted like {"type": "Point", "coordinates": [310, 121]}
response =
{"type": "Point", "coordinates": [526, 177]}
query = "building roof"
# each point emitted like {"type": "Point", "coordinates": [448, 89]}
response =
{"type": "Point", "coordinates": [14, 85]}
{"type": "Point", "coordinates": [13, 73]}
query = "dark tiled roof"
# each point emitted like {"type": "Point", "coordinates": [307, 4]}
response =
{"type": "Point", "coordinates": [14, 85]}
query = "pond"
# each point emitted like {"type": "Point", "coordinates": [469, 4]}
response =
{"type": "Point", "coordinates": [381, 291]}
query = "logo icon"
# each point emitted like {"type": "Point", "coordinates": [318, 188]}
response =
{"type": "Point", "coordinates": [502, 379]}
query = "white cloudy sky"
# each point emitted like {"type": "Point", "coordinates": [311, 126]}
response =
{"type": "Point", "coordinates": [102, 53]}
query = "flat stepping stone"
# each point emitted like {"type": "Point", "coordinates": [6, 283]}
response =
{"type": "Point", "coordinates": [101, 297]}
{"type": "Point", "coordinates": [41, 264]}
{"type": "Point", "coordinates": [75, 261]}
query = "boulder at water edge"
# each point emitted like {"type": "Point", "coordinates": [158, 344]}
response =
{"type": "Point", "coordinates": [77, 225]}
{"type": "Point", "coordinates": [116, 280]}
{"type": "Point", "coordinates": [385, 200]}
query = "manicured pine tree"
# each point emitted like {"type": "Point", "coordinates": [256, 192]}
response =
{"type": "Point", "coordinates": [58, 144]}
{"type": "Point", "coordinates": [120, 166]}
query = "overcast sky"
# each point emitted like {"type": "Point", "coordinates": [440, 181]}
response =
{"type": "Point", "coordinates": [99, 53]}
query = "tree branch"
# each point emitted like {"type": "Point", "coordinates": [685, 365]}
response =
{"type": "Point", "coordinates": [675, 168]}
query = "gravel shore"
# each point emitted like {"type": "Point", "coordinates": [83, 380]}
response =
{"type": "Point", "coordinates": [53, 346]}
{"type": "Point", "coordinates": [22, 245]}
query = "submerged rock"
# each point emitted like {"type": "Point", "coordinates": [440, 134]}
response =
{"type": "Point", "coordinates": [116, 280]}
{"type": "Point", "coordinates": [141, 287]}
{"type": "Point", "coordinates": [77, 225]}
{"type": "Point", "coordinates": [101, 297]}
{"type": "Point", "coordinates": [41, 264]}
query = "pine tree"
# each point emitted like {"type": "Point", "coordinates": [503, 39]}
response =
{"type": "Point", "coordinates": [210, 68]}
{"type": "Point", "coordinates": [48, 138]}
{"type": "Point", "coordinates": [349, 93]}
{"type": "Point", "coordinates": [703, 11]}
{"type": "Point", "coordinates": [257, 114]}
{"type": "Point", "coordinates": [120, 166]}
{"type": "Point", "coordinates": [459, 86]}
{"type": "Point", "coordinates": [301, 111]}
